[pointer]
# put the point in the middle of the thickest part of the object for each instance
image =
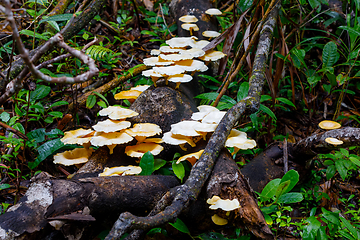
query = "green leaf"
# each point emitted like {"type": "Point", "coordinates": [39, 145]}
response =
{"type": "Point", "coordinates": [265, 98]}
{"type": "Point", "coordinates": [293, 177]}
{"type": "Point", "coordinates": [330, 172]}
{"type": "Point", "coordinates": [19, 127]}
{"type": "Point", "coordinates": [38, 135]}
{"type": "Point", "coordinates": [4, 186]}
{"type": "Point", "coordinates": [283, 186]}
{"type": "Point", "coordinates": [147, 32]}
{"type": "Point", "coordinates": [298, 56]}
{"type": "Point", "coordinates": [31, 34]}
{"type": "Point", "coordinates": [57, 18]}
{"type": "Point", "coordinates": [292, 197]}
{"type": "Point", "coordinates": [285, 101]}
{"type": "Point", "coordinates": [147, 164]}
{"type": "Point", "coordinates": [270, 189]}
{"type": "Point", "coordinates": [339, 164]}
{"type": "Point", "coordinates": [210, 78]}
{"type": "Point", "coordinates": [350, 30]}
{"type": "Point", "coordinates": [56, 114]}
{"type": "Point", "coordinates": [158, 163]}
{"type": "Point", "coordinates": [243, 91]}
{"type": "Point", "coordinates": [355, 161]}
{"type": "Point", "coordinates": [54, 133]}
{"type": "Point", "coordinates": [90, 101]}
{"type": "Point", "coordinates": [315, 4]}
{"type": "Point", "coordinates": [355, 233]}
{"type": "Point", "coordinates": [178, 170]}
{"type": "Point", "coordinates": [5, 117]}
{"type": "Point", "coordinates": [329, 55]}
{"type": "Point", "coordinates": [331, 216]}
{"type": "Point", "coordinates": [180, 225]}
{"type": "Point", "coordinates": [102, 97]}
{"type": "Point", "coordinates": [102, 104]}
{"type": "Point", "coordinates": [59, 103]}
{"type": "Point", "coordinates": [208, 96]}
{"type": "Point", "coordinates": [267, 110]}
{"type": "Point", "coordinates": [40, 92]}
{"type": "Point", "coordinates": [46, 150]}
{"type": "Point", "coordinates": [310, 231]}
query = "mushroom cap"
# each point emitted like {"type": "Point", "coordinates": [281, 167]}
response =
{"type": "Point", "coordinates": [155, 52]}
{"type": "Point", "coordinates": [176, 57]}
{"type": "Point", "coordinates": [205, 127]}
{"type": "Point", "coordinates": [329, 125]}
{"type": "Point", "coordinates": [191, 65]}
{"type": "Point", "coordinates": [129, 94]}
{"type": "Point", "coordinates": [170, 70]}
{"type": "Point", "coordinates": [333, 141]}
{"type": "Point", "coordinates": [219, 220]}
{"type": "Point", "coordinates": [211, 34]}
{"type": "Point", "coordinates": [185, 128]}
{"type": "Point", "coordinates": [180, 78]}
{"type": "Point", "coordinates": [237, 133]}
{"type": "Point", "coordinates": [168, 49]}
{"type": "Point", "coordinates": [144, 130]}
{"type": "Point", "coordinates": [174, 139]}
{"type": "Point", "coordinates": [140, 149]}
{"type": "Point", "coordinates": [238, 139]}
{"type": "Point", "coordinates": [156, 61]}
{"type": "Point", "coordinates": [188, 18]}
{"type": "Point", "coordinates": [117, 113]}
{"type": "Point", "coordinates": [187, 26]}
{"type": "Point", "coordinates": [101, 138]}
{"type": "Point", "coordinates": [203, 111]}
{"type": "Point", "coordinates": [72, 157]}
{"type": "Point", "coordinates": [111, 125]}
{"type": "Point", "coordinates": [213, 11]}
{"type": "Point", "coordinates": [153, 140]}
{"type": "Point", "coordinates": [177, 42]}
{"type": "Point", "coordinates": [192, 157]}
{"type": "Point", "coordinates": [78, 136]}
{"type": "Point", "coordinates": [212, 56]}
{"type": "Point", "coordinates": [140, 88]}
{"type": "Point", "coordinates": [226, 205]}
{"type": "Point", "coordinates": [213, 117]}
{"type": "Point", "coordinates": [200, 44]}
{"type": "Point", "coordinates": [122, 171]}
{"type": "Point", "coordinates": [151, 73]}
{"type": "Point", "coordinates": [195, 52]}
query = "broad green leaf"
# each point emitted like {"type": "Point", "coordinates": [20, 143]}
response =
{"type": "Point", "coordinates": [329, 54]}
{"type": "Point", "coordinates": [355, 233]}
{"type": "Point", "coordinates": [90, 101]}
{"type": "Point", "coordinates": [208, 96]}
{"type": "Point", "coordinates": [158, 163]}
{"type": "Point", "coordinates": [315, 4]}
{"type": "Point", "coordinates": [243, 91]}
{"type": "Point", "coordinates": [268, 219]}
{"type": "Point", "coordinates": [4, 186]}
{"type": "Point", "coordinates": [38, 135]}
{"type": "Point", "coordinates": [147, 164]}
{"type": "Point", "coordinates": [313, 80]}
{"type": "Point", "coordinates": [264, 98]}
{"type": "Point", "coordinates": [339, 164]}
{"type": "Point", "coordinates": [330, 172]}
{"type": "Point", "coordinates": [180, 225]}
{"type": "Point", "coordinates": [228, 99]}
{"type": "Point", "coordinates": [350, 30]}
{"type": "Point", "coordinates": [355, 161]}
{"type": "Point", "coordinates": [46, 150]}
{"type": "Point", "coordinates": [293, 177]}
{"type": "Point", "coordinates": [56, 114]}
{"type": "Point", "coordinates": [54, 25]}
{"type": "Point", "coordinates": [40, 92]}
{"type": "Point", "coordinates": [178, 170]}
{"type": "Point", "coordinates": [5, 117]}
{"type": "Point", "coordinates": [102, 97]}
{"type": "Point", "coordinates": [292, 197]}
{"type": "Point", "coordinates": [267, 110]}
{"type": "Point", "coordinates": [41, 2]}
{"type": "Point", "coordinates": [49, 119]}
{"type": "Point", "coordinates": [270, 189]}
{"type": "Point", "coordinates": [310, 231]}
{"type": "Point", "coordinates": [270, 209]}
{"type": "Point", "coordinates": [57, 18]}
{"type": "Point", "coordinates": [59, 103]}
{"type": "Point", "coordinates": [31, 34]}
{"type": "Point", "coordinates": [102, 104]}
{"type": "Point", "coordinates": [331, 216]}
{"type": "Point", "coordinates": [19, 127]}
{"type": "Point", "coordinates": [285, 101]}
{"type": "Point", "coordinates": [283, 186]}
{"type": "Point", "coordinates": [54, 133]}
{"type": "Point", "coordinates": [298, 56]}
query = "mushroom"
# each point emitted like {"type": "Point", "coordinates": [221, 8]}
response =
{"type": "Point", "coordinates": [79, 136]}
{"type": "Point", "coordinates": [130, 95]}
{"type": "Point", "coordinates": [122, 171]}
{"type": "Point", "coordinates": [140, 88]}
{"type": "Point", "coordinates": [188, 18]}
{"type": "Point", "coordinates": [142, 130]}
{"type": "Point", "coordinates": [204, 128]}
{"type": "Point", "coordinates": [212, 55]}
{"type": "Point", "coordinates": [329, 125]}
{"type": "Point", "coordinates": [238, 140]}
{"type": "Point", "coordinates": [168, 49]}
{"type": "Point", "coordinates": [140, 149]}
{"type": "Point", "coordinates": [176, 56]}
{"type": "Point", "coordinates": [192, 157]}
{"type": "Point", "coordinates": [211, 34]}
{"type": "Point", "coordinates": [179, 78]}
{"type": "Point", "coordinates": [190, 27]}
{"type": "Point", "coordinates": [72, 157]}
{"type": "Point", "coordinates": [111, 125]}
{"type": "Point", "coordinates": [171, 70]}
{"type": "Point", "coordinates": [157, 61]}
{"type": "Point", "coordinates": [109, 139]}
{"type": "Point", "coordinates": [177, 42]}
{"type": "Point", "coordinates": [213, 117]}
{"type": "Point", "coordinates": [200, 44]}
{"type": "Point", "coordinates": [213, 11]}
{"type": "Point", "coordinates": [219, 220]}
{"type": "Point", "coordinates": [333, 141]}
{"type": "Point", "coordinates": [191, 65]}
{"type": "Point", "coordinates": [180, 140]}
{"type": "Point", "coordinates": [151, 73]}
{"type": "Point", "coordinates": [155, 52]}
{"type": "Point", "coordinates": [203, 111]}
{"type": "Point", "coordinates": [194, 52]}
{"type": "Point", "coordinates": [185, 128]}
{"type": "Point", "coordinates": [117, 113]}
{"type": "Point", "coordinates": [226, 205]}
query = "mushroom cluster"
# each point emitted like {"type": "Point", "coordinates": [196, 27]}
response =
{"type": "Point", "coordinates": [203, 122]}
{"type": "Point", "coordinates": [226, 205]}
{"type": "Point", "coordinates": [175, 60]}
{"type": "Point", "coordinates": [330, 125]}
